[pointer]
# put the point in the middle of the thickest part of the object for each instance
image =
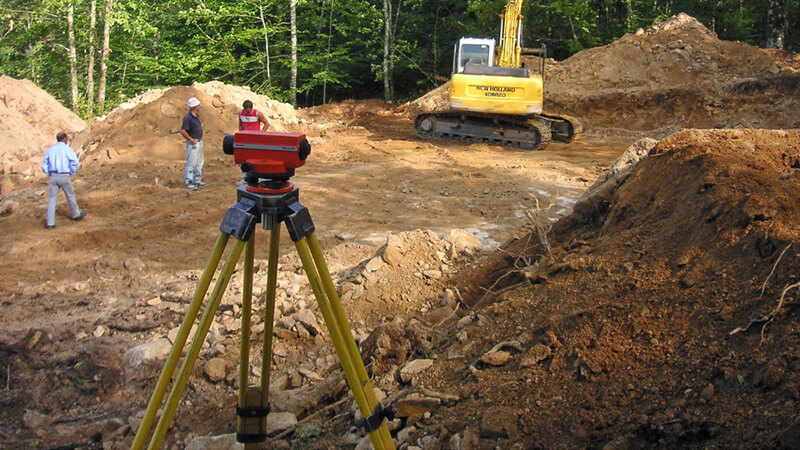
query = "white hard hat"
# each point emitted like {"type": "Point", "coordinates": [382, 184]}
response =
{"type": "Point", "coordinates": [193, 102]}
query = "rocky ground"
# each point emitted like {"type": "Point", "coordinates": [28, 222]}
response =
{"type": "Point", "coordinates": [614, 292]}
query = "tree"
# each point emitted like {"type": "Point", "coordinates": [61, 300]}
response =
{"type": "Point", "coordinates": [101, 89]}
{"type": "Point", "coordinates": [777, 24]}
{"type": "Point", "coordinates": [73, 72]}
{"type": "Point", "coordinates": [293, 26]}
{"type": "Point", "coordinates": [90, 64]}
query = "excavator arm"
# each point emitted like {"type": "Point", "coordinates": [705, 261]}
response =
{"type": "Point", "coordinates": [511, 35]}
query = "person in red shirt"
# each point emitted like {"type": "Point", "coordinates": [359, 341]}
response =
{"type": "Point", "coordinates": [250, 119]}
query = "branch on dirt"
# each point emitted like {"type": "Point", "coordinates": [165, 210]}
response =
{"type": "Point", "coordinates": [764, 286]}
{"type": "Point", "coordinates": [769, 317]}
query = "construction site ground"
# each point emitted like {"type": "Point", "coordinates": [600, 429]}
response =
{"type": "Point", "coordinates": [583, 300]}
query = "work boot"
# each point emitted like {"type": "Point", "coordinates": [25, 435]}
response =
{"type": "Point", "coordinates": [200, 184]}
{"type": "Point", "coordinates": [81, 215]}
{"type": "Point", "coordinates": [191, 186]}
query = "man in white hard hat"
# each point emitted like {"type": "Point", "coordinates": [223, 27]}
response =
{"type": "Point", "coordinates": [192, 131]}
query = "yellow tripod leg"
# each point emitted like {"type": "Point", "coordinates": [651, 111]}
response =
{"type": "Point", "coordinates": [269, 314]}
{"type": "Point", "coordinates": [197, 344]}
{"type": "Point", "coordinates": [347, 335]}
{"type": "Point", "coordinates": [244, 345]}
{"type": "Point", "coordinates": [180, 341]}
{"type": "Point", "coordinates": [380, 438]}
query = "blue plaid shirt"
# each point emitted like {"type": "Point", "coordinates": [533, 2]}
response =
{"type": "Point", "coordinates": [60, 158]}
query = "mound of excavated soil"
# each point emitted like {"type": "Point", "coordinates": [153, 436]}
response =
{"type": "Point", "coordinates": [633, 332]}
{"type": "Point", "coordinates": [148, 126]}
{"type": "Point", "coordinates": [30, 118]}
{"type": "Point", "coordinates": [676, 74]}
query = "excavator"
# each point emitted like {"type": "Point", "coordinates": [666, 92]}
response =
{"type": "Point", "coordinates": [494, 98]}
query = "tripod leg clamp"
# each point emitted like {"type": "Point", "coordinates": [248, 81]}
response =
{"type": "Point", "coordinates": [374, 420]}
{"type": "Point", "coordinates": [240, 220]}
{"type": "Point", "coordinates": [298, 222]}
{"type": "Point", "coordinates": [251, 417]}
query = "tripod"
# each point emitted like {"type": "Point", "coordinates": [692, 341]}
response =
{"type": "Point", "coordinates": [270, 206]}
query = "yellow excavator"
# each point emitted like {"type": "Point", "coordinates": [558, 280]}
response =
{"type": "Point", "coordinates": [494, 98]}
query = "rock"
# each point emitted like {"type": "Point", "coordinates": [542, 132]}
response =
{"type": "Point", "coordinates": [150, 354]}
{"type": "Point", "coordinates": [499, 422]}
{"type": "Point", "coordinates": [771, 375]}
{"type": "Point", "coordinates": [310, 374]}
{"type": "Point", "coordinates": [215, 369]}
{"type": "Point", "coordinates": [154, 301]}
{"type": "Point", "coordinates": [432, 274]}
{"type": "Point", "coordinates": [278, 422]}
{"type": "Point", "coordinates": [455, 442]}
{"type": "Point", "coordinates": [415, 404]}
{"type": "Point", "coordinates": [7, 207]}
{"type": "Point", "coordinates": [374, 264]}
{"type": "Point", "coordinates": [462, 241]}
{"type": "Point", "coordinates": [496, 358]}
{"type": "Point", "coordinates": [707, 393]}
{"type": "Point", "coordinates": [133, 264]}
{"type": "Point", "coordinates": [99, 331]}
{"type": "Point", "coordinates": [221, 442]}
{"type": "Point", "coordinates": [173, 334]}
{"type": "Point", "coordinates": [536, 354]}
{"type": "Point", "coordinates": [34, 419]}
{"type": "Point", "coordinates": [413, 368]}
{"type": "Point", "coordinates": [392, 256]}
{"type": "Point", "coordinates": [387, 346]}
{"type": "Point", "coordinates": [306, 318]}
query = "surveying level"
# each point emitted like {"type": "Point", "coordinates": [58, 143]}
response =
{"type": "Point", "coordinates": [268, 160]}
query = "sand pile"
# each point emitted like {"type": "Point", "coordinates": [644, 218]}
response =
{"type": "Point", "coordinates": [30, 118]}
{"type": "Point", "coordinates": [149, 124]}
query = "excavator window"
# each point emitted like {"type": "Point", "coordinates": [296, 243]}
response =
{"type": "Point", "coordinates": [476, 54]}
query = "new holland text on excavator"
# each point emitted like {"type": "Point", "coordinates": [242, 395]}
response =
{"type": "Point", "coordinates": [494, 98]}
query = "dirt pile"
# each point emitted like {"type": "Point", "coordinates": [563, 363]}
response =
{"type": "Point", "coordinates": [658, 318]}
{"type": "Point", "coordinates": [30, 118]}
{"type": "Point", "coordinates": [674, 75]}
{"type": "Point", "coordinates": [148, 126]}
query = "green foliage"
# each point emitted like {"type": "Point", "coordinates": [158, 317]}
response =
{"type": "Point", "coordinates": [340, 43]}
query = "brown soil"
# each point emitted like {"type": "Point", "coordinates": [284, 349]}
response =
{"type": "Point", "coordinates": [627, 333]}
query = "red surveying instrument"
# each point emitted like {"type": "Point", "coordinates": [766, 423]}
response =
{"type": "Point", "coordinates": [268, 160]}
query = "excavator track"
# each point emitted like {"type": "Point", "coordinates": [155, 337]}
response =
{"type": "Point", "coordinates": [519, 133]}
{"type": "Point", "coordinates": [563, 128]}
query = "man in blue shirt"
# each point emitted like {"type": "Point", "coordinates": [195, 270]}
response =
{"type": "Point", "coordinates": [192, 131]}
{"type": "Point", "coordinates": [59, 163]}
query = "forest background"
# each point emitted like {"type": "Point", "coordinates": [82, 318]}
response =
{"type": "Point", "coordinates": [95, 54]}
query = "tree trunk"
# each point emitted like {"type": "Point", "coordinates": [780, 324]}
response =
{"type": "Point", "coordinates": [266, 42]}
{"type": "Point", "coordinates": [293, 21]}
{"type": "Point", "coordinates": [387, 39]}
{"type": "Point", "coordinates": [628, 16]}
{"type": "Point", "coordinates": [777, 24]}
{"type": "Point", "coordinates": [101, 89]}
{"type": "Point", "coordinates": [327, 56]}
{"type": "Point", "coordinates": [90, 65]}
{"type": "Point", "coordinates": [73, 72]}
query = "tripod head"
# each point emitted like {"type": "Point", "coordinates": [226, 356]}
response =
{"type": "Point", "coordinates": [267, 158]}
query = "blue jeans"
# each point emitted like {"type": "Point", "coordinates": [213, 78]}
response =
{"type": "Point", "coordinates": [194, 163]}
{"type": "Point", "coordinates": [60, 181]}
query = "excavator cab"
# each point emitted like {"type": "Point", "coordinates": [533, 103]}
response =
{"type": "Point", "coordinates": [473, 51]}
